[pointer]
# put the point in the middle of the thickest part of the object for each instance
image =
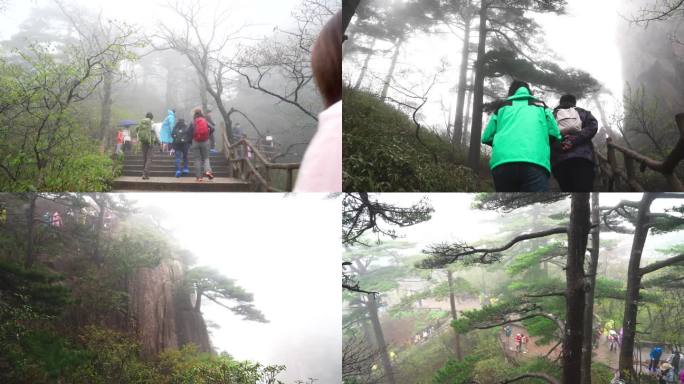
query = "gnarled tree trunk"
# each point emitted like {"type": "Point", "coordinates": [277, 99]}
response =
{"type": "Point", "coordinates": [462, 79]}
{"type": "Point", "coordinates": [476, 128]}
{"type": "Point", "coordinates": [578, 232]}
{"type": "Point", "coordinates": [587, 341]}
{"type": "Point", "coordinates": [372, 307]}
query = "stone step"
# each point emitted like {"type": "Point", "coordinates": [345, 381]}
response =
{"type": "Point", "coordinates": [183, 184]}
{"type": "Point", "coordinates": [172, 167]}
{"type": "Point", "coordinates": [172, 173]}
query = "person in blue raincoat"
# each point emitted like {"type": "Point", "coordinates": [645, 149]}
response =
{"type": "Point", "coordinates": [167, 128]}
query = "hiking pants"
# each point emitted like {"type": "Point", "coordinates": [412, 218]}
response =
{"type": "Point", "coordinates": [147, 158]}
{"type": "Point", "coordinates": [201, 153]}
{"type": "Point", "coordinates": [575, 175]}
{"type": "Point", "coordinates": [653, 365]}
{"type": "Point", "coordinates": [181, 151]}
{"type": "Point", "coordinates": [520, 177]}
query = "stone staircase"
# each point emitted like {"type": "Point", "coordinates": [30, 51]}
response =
{"type": "Point", "coordinates": [162, 175]}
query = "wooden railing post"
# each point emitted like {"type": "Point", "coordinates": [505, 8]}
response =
{"type": "Point", "coordinates": [290, 175]}
{"type": "Point", "coordinates": [612, 162]}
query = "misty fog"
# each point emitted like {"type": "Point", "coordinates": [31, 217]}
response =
{"type": "Point", "coordinates": [280, 248]}
{"type": "Point", "coordinates": [156, 75]}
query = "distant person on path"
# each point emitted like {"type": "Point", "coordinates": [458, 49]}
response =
{"type": "Point", "coordinates": [520, 132]}
{"type": "Point", "coordinates": [666, 374]}
{"type": "Point", "coordinates": [119, 141]}
{"type": "Point", "coordinates": [613, 340]}
{"type": "Point", "coordinates": [127, 140]}
{"type": "Point", "coordinates": [655, 354]}
{"type": "Point", "coordinates": [572, 160]}
{"type": "Point", "coordinates": [147, 139]}
{"type": "Point", "coordinates": [200, 145]}
{"type": "Point", "coordinates": [182, 139]}
{"type": "Point", "coordinates": [166, 130]}
{"type": "Point", "coordinates": [525, 341]}
{"type": "Point", "coordinates": [321, 169]}
{"type": "Point", "coordinates": [676, 361]}
{"type": "Point", "coordinates": [508, 331]}
{"type": "Point", "coordinates": [518, 342]}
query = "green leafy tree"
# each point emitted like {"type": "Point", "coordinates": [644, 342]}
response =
{"type": "Point", "coordinates": [208, 283]}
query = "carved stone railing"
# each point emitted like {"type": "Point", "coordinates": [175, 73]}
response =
{"type": "Point", "coordinates": [256, 168]}
{"type": "Point", "coordinates": [612, 173]}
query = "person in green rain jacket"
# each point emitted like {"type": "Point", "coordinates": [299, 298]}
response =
{"type": "Point", "coordinates": [520, 132]}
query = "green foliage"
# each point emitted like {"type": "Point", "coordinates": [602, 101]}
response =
{"type": "Point", "coordinates": [546, 74]}
{"type": "Point", "coordinates": [527, 260]}
{"type": "Point", "coordinates": [456, 372]}
{"type": "Point", "coordinates": [381, 152]}
{"type": "Point", "coordinates": [187, 366]}
{"type": "Point", "coordinates": [383, 279]}
{"type": "Point", "coordinates": [46, 148]}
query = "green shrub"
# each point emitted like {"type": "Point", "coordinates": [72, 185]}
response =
{"type": "Point", "coordinates": [382, 153]}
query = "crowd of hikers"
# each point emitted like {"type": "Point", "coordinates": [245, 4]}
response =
{"type": "Point", "coordinates": [321, 167]}
{"type": "Point", "coordinates": [670, 371]}
{"type": "Point", "coordinates": [530, 142]}
{"type": "Point", "coordinates": [177, 138]}
{"type": "Point", "coordinates": [520, 341]}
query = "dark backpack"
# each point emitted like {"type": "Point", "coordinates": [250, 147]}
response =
{"type": "Point", "coordinates": [201, 133]}
{"type": "Point", "coordinates": [180, 134]}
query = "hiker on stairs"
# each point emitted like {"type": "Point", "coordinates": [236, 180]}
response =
{"type": "Point", "coordinates": [166, 130]}
{"type": "Point", "coordinates": [572, 160]}
{"type": "Point", "coordinates": [182, 139]}
{"type": "Point", "coordinates": [201, 131]}
{"type": "Point", "coordinates": [519, 132]}
{"type": "Point", "coordinates": [147, 138]}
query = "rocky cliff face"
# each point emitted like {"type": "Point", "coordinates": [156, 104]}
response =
{"type": "Point", "coordinates": [652, 59]}
{"type": "Point", "coordinates": [161, 311]}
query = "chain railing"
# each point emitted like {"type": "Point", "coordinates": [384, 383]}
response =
{"type": "Point", "coordinates": [611, 173]}
{"type": "Point", "coordinates": [246, 162]}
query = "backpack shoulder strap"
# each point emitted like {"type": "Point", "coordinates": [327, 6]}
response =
{"type": "Point", "coordinates": [506, 103]}
{"type": "Point", "coordinates": [537, 103]}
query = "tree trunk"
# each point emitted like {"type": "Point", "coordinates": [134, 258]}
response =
{"type": "Point", "coordinates": [198, 300]}
{"type": "Point", "coordinates": [348, 10]}
{"type": "Point", "coordinates": [454, 315]}
{"type": "Point", "coordinates": [203, 92]}
{"type": "Point", "coordinates": [372, 307]}
{"type": "Point", "coordinates": [97, 257]}
{"type": "Point", "coordinates": [462, 79]}
{"type": "Point", "coordinates": [626, 364]}
{"type": "Point", "coordinates": [30, 225]}
{"type": "Point", "coordinates": [106, 107]}
{"type": "Point", "coordinates": [468, 114]}
{"type": "Point", "coordinates": [364, 69]}
{"type": "Point", "coordinates": [390, 72]}
{"type": "Point", "coordinates": [478, 90]}
{"type": "Point", "coordinates": [589, 293]}
{"type": "Point", "coordinates": [578, 232]}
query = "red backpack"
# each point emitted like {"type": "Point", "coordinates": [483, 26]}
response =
{"type": "Point", "coordinates": [201, 133]}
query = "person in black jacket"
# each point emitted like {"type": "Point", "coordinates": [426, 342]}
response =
{"type": "Point", "coordinates": [572, 160]}
{"type": "Point", "coordinates": [182, 138]}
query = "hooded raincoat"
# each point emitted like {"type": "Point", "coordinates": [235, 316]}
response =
{"type": "Point", "coordinates": [167, 128]}
{"type": "Point", "coordinates": [519, 131]}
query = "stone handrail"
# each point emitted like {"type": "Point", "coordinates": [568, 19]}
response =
{"type": "Point", "coordinates": [612, 172]}
{"type": "Point", "coordinates": [242, 167]}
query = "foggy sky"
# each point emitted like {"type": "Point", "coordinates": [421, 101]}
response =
{"type": "Point", "coordinates": [454, 220]}
{"type": "Point", "coordinates": [584, 38]}
{"type": "Point", "coordinates": [260, 15]}
{"type": "Point", "coordinates": [284, 250]}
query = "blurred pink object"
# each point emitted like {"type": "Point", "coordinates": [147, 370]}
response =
{"type": "Point", "coordinates": [321, 169]}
